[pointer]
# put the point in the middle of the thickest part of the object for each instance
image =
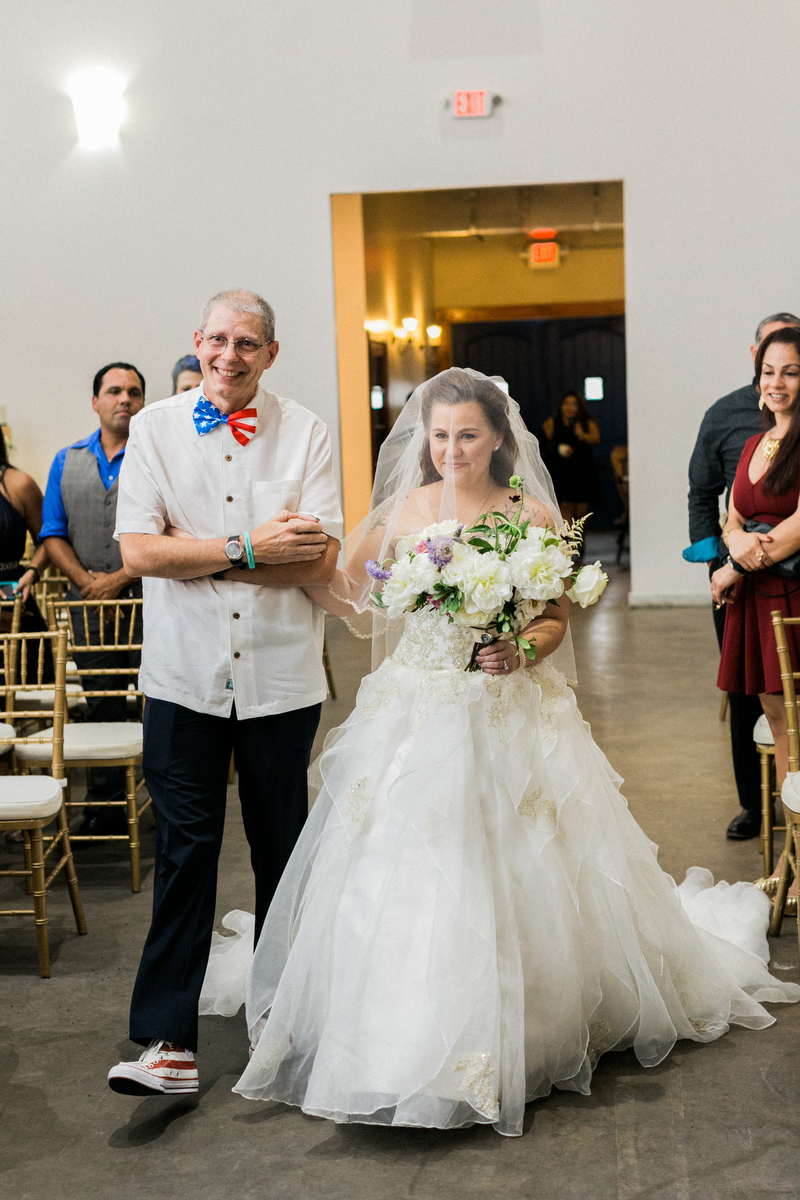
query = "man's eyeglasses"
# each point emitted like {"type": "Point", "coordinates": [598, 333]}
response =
{"type": "Point", "coordinates": [244, 347]}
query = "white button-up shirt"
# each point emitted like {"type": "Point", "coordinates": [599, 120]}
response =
{"type": "Point", "coordinates": [209, 642]}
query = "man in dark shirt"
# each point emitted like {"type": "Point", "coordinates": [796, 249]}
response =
{"type": "Point", "coordinates": [724, 430]}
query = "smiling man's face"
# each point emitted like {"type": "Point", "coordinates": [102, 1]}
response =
{"type": "Point", "coordinates": [231, 374]}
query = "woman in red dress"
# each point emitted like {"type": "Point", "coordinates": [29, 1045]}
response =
{"type": "Point", "coordinates": [766, 489]}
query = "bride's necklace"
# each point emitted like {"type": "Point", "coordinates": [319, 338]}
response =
{"type": "Point", "coordinates": [483, 509]}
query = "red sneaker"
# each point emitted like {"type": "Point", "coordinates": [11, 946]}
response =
{"type": "Point", "coordinates": [162, 1068]}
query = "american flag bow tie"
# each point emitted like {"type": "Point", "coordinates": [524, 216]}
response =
{"type": "Point", "coordinates": [242, 424]}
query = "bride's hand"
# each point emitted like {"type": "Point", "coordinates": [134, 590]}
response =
{"type": "Point", "coordinates": [500, 658]}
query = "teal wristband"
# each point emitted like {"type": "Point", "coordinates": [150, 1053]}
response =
{"type": "Point", "coordinates": [248, 549]}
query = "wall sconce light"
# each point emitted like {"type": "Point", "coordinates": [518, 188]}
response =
{"type": "Point", "coordinates": [410, 324]}
{"type": "Point", "coordinates": [377, 326]}
{"type": "Point", "coordinates": [401, 334]}
{"type": "Point", "coordinates": [97, 97]}
{"type": "Point", "coordinates": [434, 333]}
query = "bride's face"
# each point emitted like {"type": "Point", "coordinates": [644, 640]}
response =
{"type": "Point", "coordinates": [463, 441]}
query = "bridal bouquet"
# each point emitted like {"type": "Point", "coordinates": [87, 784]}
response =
{"type": "Point", "coordinates": [496, 576]}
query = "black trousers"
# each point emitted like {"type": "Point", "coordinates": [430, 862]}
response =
{"type": "Point", "coordinates": [744, 711]}
{"type": "Point", "coordinates": [186, 757]}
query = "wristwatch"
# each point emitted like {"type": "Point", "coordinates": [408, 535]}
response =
{"type": "Point", "coordinates": [235, 551]}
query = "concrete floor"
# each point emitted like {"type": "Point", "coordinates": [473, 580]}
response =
{"type": "Point", "coordinates": [719, 1122]}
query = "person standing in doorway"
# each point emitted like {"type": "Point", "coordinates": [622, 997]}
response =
{"type": "Point", "coordinates": [568, 438]}
{"type": "Point", "coordinates": [78, 520]}
{"type": "Point", "coordinates": [724, 430]}
{"type": "Point", "coordinates": [211, 496]}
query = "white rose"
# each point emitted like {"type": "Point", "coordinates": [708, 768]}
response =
{"type": "Point", "coordinates": [589, 585]}
{"type": "Point", "coordinates": [487, 584]}
{"type": "Point", "coordinates": [405, 545]}
{"type": "Point", "coordinates": [476, 620]}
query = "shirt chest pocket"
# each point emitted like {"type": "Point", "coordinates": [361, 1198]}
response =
{"type": "Point", "coordinates": [269, 497]}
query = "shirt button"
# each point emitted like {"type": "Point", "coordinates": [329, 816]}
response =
{"type": "Point", "coordinates": [108, 545]}
{"type": "Point", "coordinates": [228, 457]}
{"type": "Point", "coordinates": [236, 654]}
{"type": "Point", "coordinates": [236, 616]}
{"type": "Point", "coordinates": [229, 499]}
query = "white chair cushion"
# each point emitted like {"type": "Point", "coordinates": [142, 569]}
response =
{"type": "Point", "coordinates": [6, 731]}
{"type": "Point", "coordinates": [790, 792]}
{"type": "Point", "coordinates": [98, 740]}
{"type": "Point", "coordinates": [762, 732]}
{"type": "Point", "coordinates": [46, 698]}
{"type": "Point", "coordinates": [29, 797]}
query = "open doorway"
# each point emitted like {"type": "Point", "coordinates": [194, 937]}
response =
{"type": "Point", "coordinates": [524, 282]}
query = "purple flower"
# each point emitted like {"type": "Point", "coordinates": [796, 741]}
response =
{"type": "Point", "coordinates": [440, 551]}
{"type": "Point", "coordinates": [376, 570]}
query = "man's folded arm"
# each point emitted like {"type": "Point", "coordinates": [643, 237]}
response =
{"type": "Point", "coordinates": [299, 574]}
{"type": "Point", "coordinates": [162, 557]}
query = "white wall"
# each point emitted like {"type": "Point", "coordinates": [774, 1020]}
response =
{"type": "Point", "coordinates": [246, 116]}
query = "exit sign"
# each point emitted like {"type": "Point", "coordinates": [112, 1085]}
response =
{"type": "Point", "coordinates": [544, 254]}
{"type": "Point", "coordinates": [472, 104]}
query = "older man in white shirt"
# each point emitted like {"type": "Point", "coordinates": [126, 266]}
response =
{"type": "Point", "coordinates": [227, 508]}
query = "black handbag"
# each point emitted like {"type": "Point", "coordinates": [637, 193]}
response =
{"type": "Point", "coordinates": [787, 568]}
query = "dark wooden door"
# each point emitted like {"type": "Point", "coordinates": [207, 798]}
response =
{"type": "Point", "coordinates": [540, 360]}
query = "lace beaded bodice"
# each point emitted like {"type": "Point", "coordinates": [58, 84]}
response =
{"type": "Point", "coordinates": [432, 643]}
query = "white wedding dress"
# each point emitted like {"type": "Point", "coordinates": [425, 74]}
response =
{"type": "Point", "coordinates": [471, 916]}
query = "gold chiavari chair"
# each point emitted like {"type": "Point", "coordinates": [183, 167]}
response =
{"type": "Point", "coordinates": [93, 625]}
{"type": "Point", "coordinates": [32, 802]}
{"type": "Point", "coordinates": [765, 747]}
{"type": "Point", "coordinates": [791, 788]}
{"type": "Point", "coordinates": [51, 584]}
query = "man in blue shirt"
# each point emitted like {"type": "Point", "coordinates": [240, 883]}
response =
{"type": "Point", "coordinates": [78, 521]}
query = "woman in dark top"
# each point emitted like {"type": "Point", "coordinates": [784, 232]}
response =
{"type": "Point", "coordinates": [20, 514]}
{"type": "Point", "coordinates": [766, 489]}
{"type": "Point", "coordinates": [567, 440]}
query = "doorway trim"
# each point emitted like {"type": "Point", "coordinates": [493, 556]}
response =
{"type": "Point", "coordinates": [447, 317]}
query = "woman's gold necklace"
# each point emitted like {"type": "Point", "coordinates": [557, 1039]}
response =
{"type": "Point", "coordinates": [770, 447]}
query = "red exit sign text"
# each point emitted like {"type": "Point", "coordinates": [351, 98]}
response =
{"type": "Point", "coordinates": [472, 104]}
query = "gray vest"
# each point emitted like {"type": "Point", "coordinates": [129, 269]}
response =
{"type": "Point", "coordinates": [91, 513]}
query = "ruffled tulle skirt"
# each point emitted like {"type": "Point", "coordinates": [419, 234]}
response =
{"type": "Point", "coordinates": [472, 917]}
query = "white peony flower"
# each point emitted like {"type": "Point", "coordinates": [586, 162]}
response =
{"type": "Point", "coordinates": [539, 574]}
{"type": "Point", "coordinates": [442, 529]}
{"type": "Point", "coordinates": [534, 537]}
{"type": "Point", "coordinates": [487, 584]}
{"type": "Point", "coordinates": [589, 585]}
{"type": "Point", "coordinates": [401, 591]}
{"type": "Point", "coordinates": [460, 565]}
{"type": "Point", "coordinates": [527, 611]}
{"type": "Point", "coordinates": [422, 573]}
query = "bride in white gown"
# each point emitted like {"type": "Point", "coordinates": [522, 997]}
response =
{"type": "Point", "coordinates": [471, 916]}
